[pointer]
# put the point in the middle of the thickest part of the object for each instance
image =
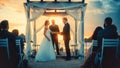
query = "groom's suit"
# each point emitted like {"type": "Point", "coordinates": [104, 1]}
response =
{"type": "Point", "coordinates": [66, 37]}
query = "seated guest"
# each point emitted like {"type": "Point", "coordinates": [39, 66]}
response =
{"type": "Point", "coordinates": [109, 32]}
{"type": "Point", "coordinates": [12, 47]}
{"type": "Point", "coordinates": [3, 55]}
{"type": "Point", "coordinates": [23, 36]}
{"type": "Point", "coordinates": [90, 60]}
{"type": "Point", "coordinates": [94, 37]}
{"type": "Point", "coordinates": [16, 32]}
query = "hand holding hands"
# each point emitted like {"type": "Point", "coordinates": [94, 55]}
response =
{"type": "Point", "coordinates": [55, 32]}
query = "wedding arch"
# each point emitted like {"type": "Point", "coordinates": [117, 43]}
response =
{"type": "Point", "coordinates": [34, 9]}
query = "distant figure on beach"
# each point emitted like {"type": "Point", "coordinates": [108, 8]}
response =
{"type": "Point", "coordinates": [46, 50]}
{"type": "Point", "coordinates": [54, 36]}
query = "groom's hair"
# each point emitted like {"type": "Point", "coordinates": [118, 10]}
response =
{"type": "Point", "coordinates": [65, 19]}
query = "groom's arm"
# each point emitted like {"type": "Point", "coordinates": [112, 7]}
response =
{"type": "Point", "coordinates": [66, 29]}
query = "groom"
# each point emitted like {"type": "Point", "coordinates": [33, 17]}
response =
{"type": "Point", "coordinates": [66, 37]}
{"type": "Point", "coordinates": [55, 28]}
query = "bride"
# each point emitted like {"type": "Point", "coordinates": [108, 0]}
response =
{"type": "Point", "coordinates": [46, 50]}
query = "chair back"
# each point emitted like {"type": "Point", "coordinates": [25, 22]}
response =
{"type": "Point", "coordinates": [108, 43]}
{"type": "Point", "coordinates": [94, 43]}
{"type": "Point", "coordinates": [18, 44]}
{"type": "Point", "coordinates": [4, 43]}
{"type": "Point", "coordinates": [119, 49]}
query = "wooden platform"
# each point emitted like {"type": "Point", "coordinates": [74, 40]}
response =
{"type": "Point", "coordinates": [59, 63]}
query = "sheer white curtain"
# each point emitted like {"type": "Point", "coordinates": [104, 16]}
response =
{"type": "Point", "coordinates": [34, 15]}
{"type": "Point", "coordinates": [75, 12]}
{"type": "Point", "coordinates": [78, 14]}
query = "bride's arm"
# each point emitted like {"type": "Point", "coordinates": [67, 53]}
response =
{"type": "Point", "coordinates": [45, 29]}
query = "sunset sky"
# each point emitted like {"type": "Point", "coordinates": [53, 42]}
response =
{"type": "Point", "coordinates": [97, 10]}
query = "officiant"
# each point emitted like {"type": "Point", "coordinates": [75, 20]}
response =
{"type": "Point", "coordinates": [55, 28]}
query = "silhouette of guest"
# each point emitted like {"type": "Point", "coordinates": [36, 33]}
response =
{"type": "Point", "coordinates": [4, 62]}
{"type": "Point", "coordinates": [109, 32]}
{"type": "Point", "coordinates": [16, 32]}
{"type": "Point", "coordinates": [90, 60]}
{"type": "Point", "coordinates": [95, 35]}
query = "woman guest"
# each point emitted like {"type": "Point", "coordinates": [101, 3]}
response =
{"type": "Point", "coordinates": [90, 60]}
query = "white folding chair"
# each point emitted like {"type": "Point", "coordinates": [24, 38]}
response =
{"type": "Point", "coordinates": [94, 43]}
{"type": "Point", "coordinates": [18, 44]}
{"type": "Point", "coordinates": [4, 43]}
{"type": "Point", "coordinates": [119, 49]}
{"type": "Point", "coordinates": [108, 43]}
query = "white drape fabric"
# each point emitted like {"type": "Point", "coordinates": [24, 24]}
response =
{"type": "Point", "coordinates": [82, 34]}
{"type": "Point", "coordinates": [51, 5]}
{"type": "Point", "coordinates": [75, 13]}
{"type": "Point", "coordinates": [28, 33]}
{"type": "Point", "coordinates": [36, 13]}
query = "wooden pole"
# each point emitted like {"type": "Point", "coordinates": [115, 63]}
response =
{"type": "Point", "coordinates": [83, 1]}
{"type": "Point", "coordinates": [75, 37]}
{"type": "Point", "coordinates": [28, 0]}
{"type": "Point", "coordinates": [28, 34]}
{"type": "Point", "coordinates": [82, 33]}
{"type": "Point", "coordinates": [55, 0]}
{"type": "Point", "coordinates": [69, 1]}
{"type": "Point", "coordinates": [34, 32]}
{"type": "Point", "coordinates": [41, 0]}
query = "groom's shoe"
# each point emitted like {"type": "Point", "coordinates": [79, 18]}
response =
{"type": "Point", "coordinates": [58, 54]}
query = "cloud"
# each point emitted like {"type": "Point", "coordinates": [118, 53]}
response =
{"type": "Point", "coordinates": [97, 4]}
{"type": "Point", "coordinates": [104, 6]}
{"type": "Point", "coordinates": [14, 4]}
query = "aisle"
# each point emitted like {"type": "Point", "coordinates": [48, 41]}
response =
{"type": "Point", "coordinates": [59, 63]}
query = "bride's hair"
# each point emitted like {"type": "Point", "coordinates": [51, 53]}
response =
{"type": "Point", "coordinates": [46, 22]}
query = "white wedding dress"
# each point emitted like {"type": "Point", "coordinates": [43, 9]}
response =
{"type": "Point", "coordinates": [46, 50]}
